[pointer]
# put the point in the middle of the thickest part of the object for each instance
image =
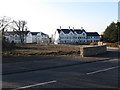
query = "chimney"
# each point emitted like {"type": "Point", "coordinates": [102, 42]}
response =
{"type": "Point", "coordinates": [69, 27]}
{"type": "Point", "coordinates": [81, 28]}
{"type": "Point", "coordinates": [73, 28]}
{"type": "Point", "coordinates": [60, 27]}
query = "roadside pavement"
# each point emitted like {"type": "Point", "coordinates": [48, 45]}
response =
{"type": "Point", "coordinates": [20, 67]}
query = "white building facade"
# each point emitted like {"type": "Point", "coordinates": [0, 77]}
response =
{"type": "Point", "coordinates": [15, 37]}
{"type": "Point", "coordinates": [40, 38]}
{"type": "Point", "coordinates": [29, 37]}
{"type": "Point", "coordinates": [75, 36]}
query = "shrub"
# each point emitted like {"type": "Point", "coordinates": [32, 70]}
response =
{"type": "Point", "coordinates": [7, 45]}
{"type": "Point", "coordinates": [112, 44]}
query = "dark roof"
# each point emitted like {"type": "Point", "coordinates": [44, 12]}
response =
{"type": "Point", "coordinates": [72, 30]}
{"type": "Point", "coordinates": [44, 34]}
{"type": "Point", "coordinates": [16, 32]}
{"type": "Point", "coordinates": [79, 31]}
{"type": "Point", "coordinates": [92, 34]}
{"type": "Point", "coordinates": [25, 32]}
{"type": "Point", "coordinates": [34, 33]}
{"type": "Point", "coordinates": [66, 31]}
{"type": "Point", "coordinates": [83, 30]}
{"type": "Point", "coordinates": [58, 30]}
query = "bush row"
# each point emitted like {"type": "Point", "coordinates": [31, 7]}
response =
{"type": "Point", "coordinates": [113, 44]}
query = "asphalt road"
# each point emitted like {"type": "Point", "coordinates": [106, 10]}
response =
{"type": "Point", "coordinates": [102, 74]}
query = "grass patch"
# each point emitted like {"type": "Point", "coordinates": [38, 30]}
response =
{"type": "Point", "coordinates": [30, 50]}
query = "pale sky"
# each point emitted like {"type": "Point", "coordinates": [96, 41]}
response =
{"type": "Point", "coordinates": [48, 15]}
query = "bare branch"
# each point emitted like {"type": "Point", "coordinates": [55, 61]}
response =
{"type": "Point", "coordinates": [4, 23]}
{"type": "Point", "coordinates": [20, 29]}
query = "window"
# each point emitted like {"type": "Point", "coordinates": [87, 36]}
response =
{"type": "Point", "coordinates": [15, 35]}
{"type": "Point", "coordinates": [15, 38]}
{"type": "Point", "coordinates": [65, 41]}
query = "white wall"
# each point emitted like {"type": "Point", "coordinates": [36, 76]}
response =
{"type": "Point", "coordinates": [74, 38]}
{"type": "Point", "coordinates": [56, 37]}
{"type": "Point", "coordinates": [29, 38]}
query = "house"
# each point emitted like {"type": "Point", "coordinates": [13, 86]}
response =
{"type": "Point", "coordinates": [29, 37]}
{"type": "Point", "coordinates": [40, 38]}
{"type": "Point", "coordinates": [74, 36]}
{"type": "Point", "coordinates": [15, 36]}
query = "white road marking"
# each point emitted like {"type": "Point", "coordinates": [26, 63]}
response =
{"type": "Point", "coordinates": [102, 70]}
{"type": "Point", "coordinates": [35, 85]}
{"type": "Point", "coordinates": [113, 60]}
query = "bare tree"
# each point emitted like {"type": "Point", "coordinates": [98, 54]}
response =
{"type": "Point", "coordinates": [5, 23]}
{"type": "Point", "coordinates": [20, 28]}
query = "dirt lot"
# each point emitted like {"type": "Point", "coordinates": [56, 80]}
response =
{"type": "Point", "coordinates": [29, 50]}
{"type": "Point", "coordinates": [37, 53]}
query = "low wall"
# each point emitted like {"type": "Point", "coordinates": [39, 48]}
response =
{"type": "Point", "coordinates": [93, 50]}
